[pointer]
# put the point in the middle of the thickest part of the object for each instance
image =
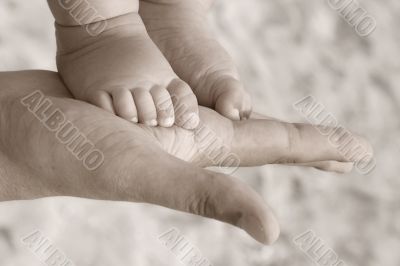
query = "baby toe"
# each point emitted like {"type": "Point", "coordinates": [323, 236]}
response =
{"type": "Point", "coordinates": [124, 104]}
{"type": "Point", "coordinates": [247, 109]}
{"type": "Point", "coordinates": [185, 104]}
{"type": "Point", "coordinates": [164, 107]}
{"type": "Point", "coordinates": [146, 109]}
{"type": "Point", "coordinates": [103, 100]}
{"type": "Point", "coordinates": [233, 101]}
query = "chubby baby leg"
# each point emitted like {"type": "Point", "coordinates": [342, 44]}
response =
{"type": "Point", "coordinates": [181, 31]}
{"type": "Point", "coordinates": [118, 67]}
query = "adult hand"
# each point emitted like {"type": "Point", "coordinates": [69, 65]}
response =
{"type": "Point", "coordinates": [144, 164]}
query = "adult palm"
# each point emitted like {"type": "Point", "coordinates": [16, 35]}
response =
{"type": "Point", "coordinates": [162, 166]}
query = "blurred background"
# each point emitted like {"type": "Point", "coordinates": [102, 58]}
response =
{"type": "Point", "coordinates": [286, 50]}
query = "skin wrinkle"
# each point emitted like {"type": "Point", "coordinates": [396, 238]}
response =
{"type": "Point", "coordinates": [199, 202]}
{"type": "Point", "coordinates": [103, 11]}
{"type": "Point", "coordinates": [206, 4]}
{"type": "Point", "coordinates": [293, 134]}
{"type": "Point", "coordinates": [107, 37]}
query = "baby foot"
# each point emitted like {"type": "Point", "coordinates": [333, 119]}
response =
{"type": "Point", "coordinates": [180, 30]}
{"type": "Point", "coordinates": [122, 70]}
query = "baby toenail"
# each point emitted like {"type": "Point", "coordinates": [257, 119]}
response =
{"type": "Point", "coordinates": [245, 115]}
{"type": "Point", "coordinates": [236, 113]}
{"type": "Point", "coordinates": [169, 121]}
{"type": "Point", "coordinates": [134, 120]}
{"type": "Point", "coordinates": [151, 123]}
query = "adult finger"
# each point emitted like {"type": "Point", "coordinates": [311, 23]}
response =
{"type": "Point", "coordinates": [258, 142]}
{"type": "Point", "coordinates": [181, 186]}
{"type": "Point", "coordinates": [329, 166]}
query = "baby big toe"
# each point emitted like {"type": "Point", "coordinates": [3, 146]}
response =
{"type": "Point", "coordinates": [234, 102]}
{"type": "Point", "coordinates": [164, 106]}
{"type": "Point", "coordinates": [146, 109]}
{"type": "Point", "coordinates": [185, 104]}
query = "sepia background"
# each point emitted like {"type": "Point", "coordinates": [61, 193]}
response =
{"type": "Point", "coordinates": [285, 49]}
